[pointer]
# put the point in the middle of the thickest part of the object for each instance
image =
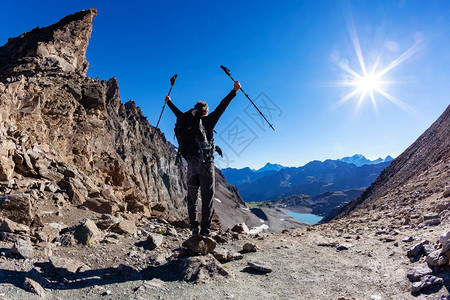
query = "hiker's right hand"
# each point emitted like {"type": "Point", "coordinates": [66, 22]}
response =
{"type": "Point", "coordinates": [167, 99]}
{"type": "Point", "coordinates": [237, 86]}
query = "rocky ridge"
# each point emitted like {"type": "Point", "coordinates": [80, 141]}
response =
{"type": "Point", "coordinates": [68, 141]}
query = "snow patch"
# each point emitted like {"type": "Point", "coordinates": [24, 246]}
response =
{"type": "Point", "coordinates": [258, 229]}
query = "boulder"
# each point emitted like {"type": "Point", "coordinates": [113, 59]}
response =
{"type": "Point", "coordinates": [427, 281]}
{"type": "Point", "coordinates": [23, 248]}
{"type": "Point", "coordinates": [260, 266]}
{"type": "Point", "coordinates": [158, 209]}
{"type": "Point", "coordinates": [17, 208]}
{"type": "Point", "coordinates": [101, 206]}
{"type": "Point", "coordinates": [75, 196]}
{"type": "Point", "coordinates": [444, 237]}
{"type": "Point", "coordinates": [50, 174]}
{"type": "Point", "coordinates": [10, 226]}
{"type": "Point", "coordinates": [436, 259]}
{"type": "Point", "coordinates": [417, 272]}
{"type": "Point", "coordinates": [23, 164]}
{"type": "Point", "coordinates": [427, 249]}
{"type": "Point", "coordinates": [416, 250]}
{"type": "Point", "coordinates": [87, 232]}
{"type": "Point", "coordinates": [66, 239]}
{"type": "Point", "coordinates": [200, 245]}
{"type": "Point", "coordinates": [221, 254]}
{"type": "Point", "coordinates": [240, 228]}
{"type": "Point", "coordinates": [48, 233]}
{"type": "Point", "coordinates": [249, 247]}
{"type": "Point", "coordinates": [33, 287]}
{"type": "Point", "coordinates": [108, 221]}
{"type": "Point", "coordinates": [154, 241]}
{"type": "Point", "coordinates": [65, 267]}
{"type": "Point", "coordinates": [124, 227]}
{"type": "Point", "coordinates": [202, 269]}
{"type": "Point", "coordinates": [224, 255]}
{"type": "Point", "coordinates": [137, 207]}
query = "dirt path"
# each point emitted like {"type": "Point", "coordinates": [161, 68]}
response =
{"type": "Point", "coordinates": [302, 269]}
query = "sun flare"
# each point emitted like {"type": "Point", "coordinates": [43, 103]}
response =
{"type": "Point", "coordinates": [370, 83]}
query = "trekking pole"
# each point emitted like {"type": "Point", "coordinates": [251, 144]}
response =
{"type": "Point", "coordinates": [227, 71]}
{"type": "Point", "coordinates": [172, 82]}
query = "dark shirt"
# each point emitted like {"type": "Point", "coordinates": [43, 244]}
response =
{"type": "Point", "coordinates": [209, 121]}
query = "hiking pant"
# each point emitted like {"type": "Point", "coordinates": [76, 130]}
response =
{"type": "Point", "coordinates": [200, 174]}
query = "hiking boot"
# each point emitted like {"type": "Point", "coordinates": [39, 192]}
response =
{"type": "Point", "coordinates": [195, 231]}
{"type": "Point", "coordinates": [204, 233]}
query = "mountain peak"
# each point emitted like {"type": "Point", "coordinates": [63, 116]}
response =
{"type": "Point", "coordinates": [270, 167]}
{"type": "Point", "coordinates": [56, 49]}
{"type": "Point", "coordinates": [360, 160]}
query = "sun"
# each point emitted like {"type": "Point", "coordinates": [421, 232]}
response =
{"type": "Point", "coordinates": [370, 83]}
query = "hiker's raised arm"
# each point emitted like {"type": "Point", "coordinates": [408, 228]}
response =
{"type": "Point", "coordinates": [217, 113]}
{"type": "Point", "coordinates": [172, 106]}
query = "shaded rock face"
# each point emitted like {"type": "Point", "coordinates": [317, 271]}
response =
{"type": "Point", "coordinates": [67, 139]}
{"type": "Point", "coordinates": [414, 184]}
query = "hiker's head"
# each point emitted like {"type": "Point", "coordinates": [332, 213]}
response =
{"type": "Point", "coordinates": [202, 107]}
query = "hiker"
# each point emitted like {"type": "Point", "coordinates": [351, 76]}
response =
{"type": "Point", "coordinates": [194, 130]}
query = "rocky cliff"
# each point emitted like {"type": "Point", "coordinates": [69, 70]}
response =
{"type": "Point", "coordinates": [67, 140]}
{"type": "Point", "coordinates": [414, 189]}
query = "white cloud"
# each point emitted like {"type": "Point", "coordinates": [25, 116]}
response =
{"type": "Point", "coordinates": [392, 46]}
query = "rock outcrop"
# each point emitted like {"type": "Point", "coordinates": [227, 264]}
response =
{"type": "Point", "coordinates": [58, 49]}
{"type": "Point", "coordinates": [67, 141]}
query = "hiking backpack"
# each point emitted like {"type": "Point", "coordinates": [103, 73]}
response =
{"type": "Point", "coordinates": [191, 137]}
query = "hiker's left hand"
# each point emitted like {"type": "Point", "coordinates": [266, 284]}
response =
{"type": "Point", "coordinates": [237, 86]}
{"type": "Point", "coordinates": [167, 99]}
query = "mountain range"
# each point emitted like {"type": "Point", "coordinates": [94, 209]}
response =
{"type": "Point", "coordinates": [314, 178]}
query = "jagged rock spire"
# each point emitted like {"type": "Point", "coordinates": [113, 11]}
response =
{"type": "Point", "coordinates": [57, 49]}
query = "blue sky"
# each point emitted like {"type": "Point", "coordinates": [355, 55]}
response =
{"type": "Point", "coordinates": [286, 54]}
